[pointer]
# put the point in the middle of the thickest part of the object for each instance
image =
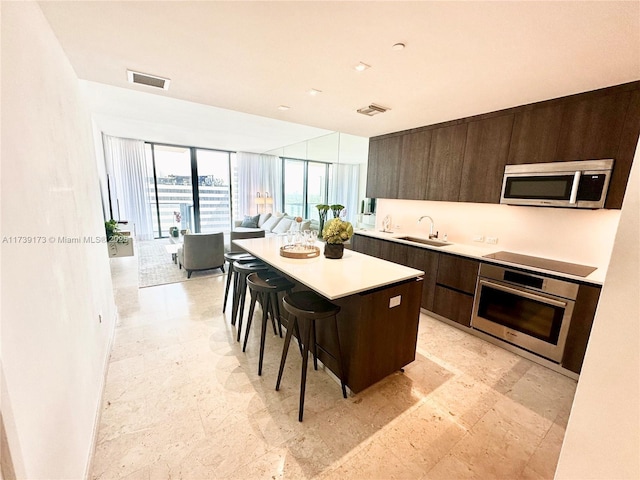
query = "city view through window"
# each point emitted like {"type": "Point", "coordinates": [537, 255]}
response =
{"type": "Point", "coordinates": [200, 206]}
{"type": "Point", "coordinates": [205, 204]}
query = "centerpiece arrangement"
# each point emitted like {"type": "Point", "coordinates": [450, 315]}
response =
{"type": "Point", "coordinates": [335, 233]}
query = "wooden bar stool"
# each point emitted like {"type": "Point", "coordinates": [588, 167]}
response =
{"type": "Point", "coordinates": [309, 307]}
{"type": "Point", "coordinates": [243, 270]}
{"type": "Point", "coordinates": [265, 288]}
{"type": "Point", "coordinates": [231, 257]}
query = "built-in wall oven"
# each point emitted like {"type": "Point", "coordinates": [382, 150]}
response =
{"type": "Point", "coordinates": [527, 310]}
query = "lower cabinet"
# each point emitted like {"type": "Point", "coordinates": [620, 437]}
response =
{"type": "Point", "coordinates": [455, 287]}
{"type": "Point", "coordinates": [449, 287]}
{"type": "Point", "coordinates": [449, 280]}
{"type": "Point", "coordinates": [452, 304]}
{"type": "Point", "coordinates": [581, 322]}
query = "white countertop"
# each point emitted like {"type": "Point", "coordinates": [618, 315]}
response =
{"type": "Point", "coordinates": [477, 252]}
{"type": "Point", "coordinates": [331, 278]}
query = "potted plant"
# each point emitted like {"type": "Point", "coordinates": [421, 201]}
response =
{"type": "Point", "coordinates": [335, 233]}
{"type": "Point", "coordinates": [119, 244]}
{"type": "Point", "coordinates": [322, 215]}
{"type": "Point", "coordinates": [112, 229]}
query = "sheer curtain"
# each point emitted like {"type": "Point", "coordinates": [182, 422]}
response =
{"type": "Point", "coordinates": [343, 188]}
{"type": "Point", "coordinates": [129, 174]}
{"type": "Point", "coordinates": [258, 173]}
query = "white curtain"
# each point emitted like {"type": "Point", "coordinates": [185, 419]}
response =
{"type": "Point", "coordinates": [129, 174]}
{"type": "Point", "coordinates": [343, 188]}
{"type": "Point", "coordinates": [258, 174]}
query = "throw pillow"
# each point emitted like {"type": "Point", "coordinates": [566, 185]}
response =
{"type": "Point", "coordinates": [250, 222]}
{"type": "Point", "coordinates": [263, 218]}
{"type": "Point", "coordinates": [304, 225]}
{"type": "Point", "coordinates": [283, 225]}
{"type": "Point", "coordinates": [270, 223]}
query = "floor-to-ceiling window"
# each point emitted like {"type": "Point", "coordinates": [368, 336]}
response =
{"type": "Point", "coordinates": [214, 192]}
{"type": "Point", "coordinates": [305, 186]}
{"type": "Point", "coordinates": [189, 189]}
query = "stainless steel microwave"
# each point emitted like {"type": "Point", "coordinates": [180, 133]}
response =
{"type": "Point", "coordinates": [580, 184]}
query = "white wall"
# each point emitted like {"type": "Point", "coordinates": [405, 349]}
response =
{"type": "Point", "coordinates": [602, 439]}
{"type": "Point", "coordinates": [54, 349]}
{"type": "Point", "coordinates": [584, 236]}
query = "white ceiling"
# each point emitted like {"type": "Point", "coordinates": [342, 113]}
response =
{"type": "Point", "coordinates": [461, 58]}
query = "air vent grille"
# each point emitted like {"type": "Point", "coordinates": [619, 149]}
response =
{"type": "Point", "coordinates": [148, 80]}
{"type": "Point", "coordinates": [372, 110]}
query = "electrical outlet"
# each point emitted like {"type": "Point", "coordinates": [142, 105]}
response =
{"type": "Point", "coordinates": [478, 238]}
{"type": "Point", "coordinates": [492, 240]}
{"type": "Point", "coordinates": [395, 301]}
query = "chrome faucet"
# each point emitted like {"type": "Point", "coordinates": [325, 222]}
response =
{"type": "Point", "coordinates": [431, 227]}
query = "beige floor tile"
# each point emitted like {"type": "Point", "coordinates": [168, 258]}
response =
{"type": "Point", "coordinates": [183, 401]}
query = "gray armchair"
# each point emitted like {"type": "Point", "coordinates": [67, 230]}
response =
{"type": "Point", "coordinates": [201, 251]}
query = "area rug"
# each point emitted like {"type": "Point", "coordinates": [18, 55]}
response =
{"type": "Point", "coordinates": [155, 266]}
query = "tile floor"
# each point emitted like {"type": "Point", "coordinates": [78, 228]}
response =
{"type": "Point", "coordinates": [183, 401]}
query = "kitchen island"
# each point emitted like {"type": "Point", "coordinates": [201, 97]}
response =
{"type": "Point", "coordinates": [380, 307]}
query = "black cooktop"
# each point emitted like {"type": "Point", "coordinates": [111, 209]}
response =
{"type": "Point", "coordinates": [543, 263]}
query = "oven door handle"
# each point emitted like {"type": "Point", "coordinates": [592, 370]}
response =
{"type": "Point", "coordinates": [522, 293]}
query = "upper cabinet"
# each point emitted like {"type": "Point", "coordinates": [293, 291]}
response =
{"type": "Point", "coordinates": [383, 171]}
{"type": "Point", "coordinates": [445, 161]}
{"type": "Point", "coordinates": [485, 156]}
{"type": "Point", "coordinates": [592, 127]}
{"type": "Point", "coordinates": [414, 165]}
{"type": "Point", "coordinates": [535, 135]}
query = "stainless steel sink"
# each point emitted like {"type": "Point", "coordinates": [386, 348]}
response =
{"type": "Point", "coordinates": [425, 241]}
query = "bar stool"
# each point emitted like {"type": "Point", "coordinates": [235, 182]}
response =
{"type": "Point", "coordinates": [230, 257]}
{"type": "Point", "coordinates": [265, 288]}
{"type": "Point", "coordinates": [309, 306]}
{"type": "Point", "coordinates": [243, 270]}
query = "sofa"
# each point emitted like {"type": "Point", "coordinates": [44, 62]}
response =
{"type": "Point", "coordinates": [276, 224]}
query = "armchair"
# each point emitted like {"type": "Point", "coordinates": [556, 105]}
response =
{"type": "Point", "coordinates": [201, 251]}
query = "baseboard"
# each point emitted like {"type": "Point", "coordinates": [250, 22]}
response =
{"type": "Point", "coordinates": [98, 415]}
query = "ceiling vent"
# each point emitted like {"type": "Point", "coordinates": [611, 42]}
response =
{"type": "Point", "coordinates": [148, 80]}
{"type": "Point", "coordinates": [372, 110]}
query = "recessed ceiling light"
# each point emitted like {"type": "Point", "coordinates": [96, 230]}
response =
{"type": "Point", "coordinates": [361, 67]}
{"type": "Point", "coordinates": [398, 46]}
{"type": "Point", "coordinates": [283, 107]}
{"type": "Point", "coordinates": [313, 92]}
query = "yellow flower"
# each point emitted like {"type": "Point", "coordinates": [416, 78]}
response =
{"type": "Point", "coordinates": [337, 231]}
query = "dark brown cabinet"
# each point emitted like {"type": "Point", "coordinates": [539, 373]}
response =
{"type": "Point", "coordinates": [414, 257]}
{"type": "Point", "coordinates": [535, 135]}
{"type": "Point", "coordinates": [445, 163]}
{"type": "Point", "coordinates": [455, 287]}
{"type": "Point", "coordinates": [367, 245]}
{"type": "Point", "coordinates": [485, 156]}
{"type": "Point", "coordinates": [393, 252]}
{"type": "Point", "coordinates": [580, 328]}
{"type": "Point", "coordinates": [449, 280]}
{"type": "Point", "coordinates": [427, 261]}
{"type": "Point", "coordinates": [592, 127]}
{"type": "Point", "coordinates": [384, 167]}
{"type": "Point", "coordinates": [626, 152]}
{"type": "Point", "coordinates": [449, 285]}
{"type": "Point", "coordinates": [413, 172]}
